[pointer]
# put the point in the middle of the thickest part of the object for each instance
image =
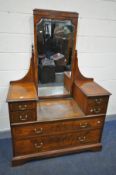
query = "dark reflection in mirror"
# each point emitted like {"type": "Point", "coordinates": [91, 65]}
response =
{"type": "Point", "coordinates": [55, 47]}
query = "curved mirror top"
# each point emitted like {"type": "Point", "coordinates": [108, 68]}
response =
{"type": "Point", "coordinates": [54, 47]}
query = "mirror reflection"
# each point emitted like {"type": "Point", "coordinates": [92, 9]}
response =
{"type": "Point", "coordinates": [54, 47]}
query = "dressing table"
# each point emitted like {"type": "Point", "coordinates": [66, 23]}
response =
{"type": "Point", "coordinates": [55, 110]}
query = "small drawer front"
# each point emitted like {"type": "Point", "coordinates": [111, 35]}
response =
{"type": "Point", "coordinates": [32, 130]}
{"type": "Point", "coordinates": [21, 106]}
{"type": "Point", "coordinates": [23, 116]}
{"type": "Point", "coordinates": [98, 101]}
{"type": "Point", "coordinates": [96, 110]}
{"type": "Point", "coordinates": [97, 105]}
{"type": "Point", "coordinates": [55, 142]}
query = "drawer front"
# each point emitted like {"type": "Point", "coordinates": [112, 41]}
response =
{"type": "Point", "coordinates": [23, 116]}
{"type": "Point", "coordinates": [98, 101]}
{"type": "Point", "coordinates": [96, 110]}
{"type": "Point", "coordinates": [21, 106]}
{"type": "Point", "coordinates": [32, 130]}
{"type": "Point", "coordinates": [55, 142]}
{"type": "Point", "coordinates": [97, 105]}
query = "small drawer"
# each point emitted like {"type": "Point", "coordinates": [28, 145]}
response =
{"type": "Point", "coordinates": [98, 101]}
{"type": "Point", "coordinates": [14, 106]}
{"type": "Point", "coordinates": [23, 116]}
{"type": "Point", "coordinates": [55, 142]}
{"type": "Point", "coordinates": [97, 105]}
{"type": "Point", "coordinates": [51, 128]}
{"type": "Point", "coordinates": [96, 110]}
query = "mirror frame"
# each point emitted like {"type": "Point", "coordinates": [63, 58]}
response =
{"type": "Point", "coordinates": [38, 14]}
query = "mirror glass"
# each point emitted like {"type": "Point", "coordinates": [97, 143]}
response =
{"type": "Point", "coordinates": [55, 40]}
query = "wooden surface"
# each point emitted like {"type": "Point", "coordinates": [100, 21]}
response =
{"type": "Point", "coordinates": [45, 143]}
{"type": "Point", "coordinates": [68, 74]}
{"type": "Point", "coordinates": [54, 127]}
{"type": "Point", "coordinates": [67, 81]}
{"type": "Point", "coordinates": [22, 92]}
{"type": "Point", "coordinates": [96, 104]}
{"type": "Point", "coordinates": [58, 109]}
{"type": "Point", "coordinates": [92, 89]}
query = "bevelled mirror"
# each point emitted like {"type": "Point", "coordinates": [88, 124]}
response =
{"type": "Point", "coordinates": [54, 36]}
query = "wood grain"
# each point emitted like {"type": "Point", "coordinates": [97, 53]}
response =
{"type": "Point", "coordinates": [22, 92]}
{"type": "Point", "coordinates": [44, 143]}
{"type": "Point", "coordinates": [57, 127]}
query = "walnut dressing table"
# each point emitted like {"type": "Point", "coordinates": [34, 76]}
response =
{"type": "Point", "coordinates": [45, 124]}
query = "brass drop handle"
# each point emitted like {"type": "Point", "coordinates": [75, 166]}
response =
{"type": "Point", "coordinates": [23, 118]}
{"type": "Point", "coordinates": [38, 145]}
{"type": "Point", "coordinates": [84, 125]}
{"type": "Point", "coordinates": [22, 107]}
{"type": "Point", "coordinates": [95, 110]}
{"type": "Point", "coordinates": [38, 130]}
{"type": "Point", "coordinates": [98, 100]}
{"type": "Point", "coordinates": [82, 138]}
{"type": "Point", "coordinates": [98, 122]}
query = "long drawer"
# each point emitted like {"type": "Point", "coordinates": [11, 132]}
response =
{"type": "Point", "coordinates": [54, 142]}
{"type": "Point", "coordinates": [49, 128]}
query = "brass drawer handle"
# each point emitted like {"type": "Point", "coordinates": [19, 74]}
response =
{"type": "Point", "coordinates": [98, 122]}
{"type": "Point", "coordinates": [22, 107]}
{"type": "Point", "coordinates": [38, 130]}
{"type": "Point", "coordinates": [91, 110]}
{"type": "Point", "coordinates": [23, 118]}
{"type": "Point", "coordinates": [95, 110]}
{"type": "Point", "coordinates": [84, 125]}
{"type": "Point", "coordinates": [38, 145]}
{"type": "Point", "coordinates": [98, 101]}
{"type": "Point", "coordinates": [82, 138]}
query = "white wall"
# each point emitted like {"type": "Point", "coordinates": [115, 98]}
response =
{"type": "Point", "coordinates": [96, 42]}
